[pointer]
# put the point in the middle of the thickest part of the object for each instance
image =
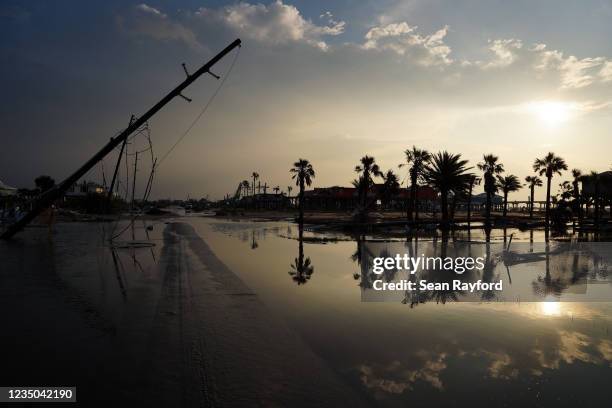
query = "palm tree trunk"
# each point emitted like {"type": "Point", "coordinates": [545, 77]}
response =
{"type": "Point", "coordinates": [301, 203]}
{"type": "Point", "coordinates": [416, 201]}
{"type": "Point", "coordinates": [548, 181]}
{"type": "Point", "coordinates": [444, 205]}
{"type": "Point", "coordinates": [488, 209]}
{"type": "Point", "coordinates": [412, 201]}
{"type": "Point", "coordinates": [531, 203]}
{"type": "Point", "coordinates": [469, 203]}
{"type": "Point", "coordinates": [505, 203]}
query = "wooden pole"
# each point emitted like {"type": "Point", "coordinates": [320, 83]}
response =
{"type": "Point", "coordinates": [47, 198]}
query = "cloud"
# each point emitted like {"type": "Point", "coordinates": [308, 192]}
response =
{"type": "Point", "coordinates": [275, 23]}
{"type": "Point", "coordinates": [505, 52]}
{"type": "Point", "coordinates": [575, 73]}
{"type": "Point", "coordinates": [151, 22]}
{"type": "Point", "coordinates": [403, 39]}
{"type": "Point", "coordinates": [606, 72]}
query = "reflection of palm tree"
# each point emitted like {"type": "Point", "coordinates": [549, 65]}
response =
{"type": "Point", "coordinates": [303, 173]}
{"type": "Point", "coordinates": [417, 159]}
{"type": "Point", "coordinates": [254, 244]}
{"type": "Point", "coordinates": [491, 168]}
{"type": "Point", "coordinates": [532, 182]}
{"type": "Point", "coordinates": [508, 184]}
{"type": "Point", "coordinates": [446, 172]}
{"type": "Point", "coordinates": [548, 166]}
{"type": "Point", "coordinates": [301, 269]}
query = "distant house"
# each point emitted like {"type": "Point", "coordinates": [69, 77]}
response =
{"type": "Point", "coordinates": [266, 201]}
{"type": "Point", "coordinates": [85, 188]}
{"type": "Point", "coordinates": [347, 198]}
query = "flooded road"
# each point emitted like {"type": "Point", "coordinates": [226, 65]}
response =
{"type": "Point", "coordinates": [224, 313]}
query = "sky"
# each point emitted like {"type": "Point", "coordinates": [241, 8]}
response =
{"type": "Point", "coordinates": [329, 81]}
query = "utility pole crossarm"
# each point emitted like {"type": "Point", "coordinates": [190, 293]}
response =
{"type": "Point", "coordinates": [47, 198]}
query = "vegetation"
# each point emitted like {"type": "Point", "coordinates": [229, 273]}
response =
{"type": "Point", "coordinates": [447, 173]}
{"type": "Point", "coordinates": [391, 187]}
{"type": "Point", "coordinates": [417, 159]}
{"type": "Point", "coordinates": [548, 166]}
{"type": "Point", "coordinates": [44, 183]}
{"type": "Point", "coordinates": [367, 170]}
{"type": "Point", "coordinates": [491, 169]}
{"type": "Point", "coordinates": [303, 173]}
{"type": "Point", "coordinates": [532, 182]}
{"type": "Point", "coordinates": [508, 184]}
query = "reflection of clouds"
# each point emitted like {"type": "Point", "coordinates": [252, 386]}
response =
{"type": "Point", "coordinates": [395, 378]}
{"type": "Point", "coordinates": [501, 366]}
{"type": "Point", "coordinates": [605, 349]}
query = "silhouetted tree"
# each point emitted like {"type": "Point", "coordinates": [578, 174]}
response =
{"type": "Point", "coordinates": [303, 173]}
{"type": "Point", "coordinates": [491, 168]}
{"type": "Point", "coordinates": [532, 182]}
{"type": "Point", "coordinates": [548, 166]}
{"type": "Point", "coordinates": [473, 180]}
{"type": "Point", "coordinates": [577, 207]}
{"type": "Point", "coordinates": [446, 172]}
{"type": "Point", "coordinates": [417, 159]}
{"type": "Point", "coordinates": [44, 183]}
{"type": "Point", "coordinates": [368, 169]}
{"type": "Point", "coordinates": [255, 176]}
{"type": "Point", "coordinates": [390, 187]}
{"type": "Point", "coordinates": [507, 185]}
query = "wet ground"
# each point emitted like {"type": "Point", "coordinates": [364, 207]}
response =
{"type": "Point", "coordinates": [222, 313]}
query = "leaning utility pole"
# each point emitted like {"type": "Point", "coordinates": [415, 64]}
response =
{"type": "Point", "coordinates": [47, 198]}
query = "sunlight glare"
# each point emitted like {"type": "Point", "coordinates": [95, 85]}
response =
{"type": "Point", "coordinates": [551, 113]}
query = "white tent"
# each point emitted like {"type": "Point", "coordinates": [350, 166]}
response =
{"type": "Point", "coordinates": [7, 190]}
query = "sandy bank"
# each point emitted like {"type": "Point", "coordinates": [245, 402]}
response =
{"type": "Point", "coordinates": [212, 327]}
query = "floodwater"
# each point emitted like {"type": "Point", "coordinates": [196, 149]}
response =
{"type": "Point", "coordinates": [220, 311]}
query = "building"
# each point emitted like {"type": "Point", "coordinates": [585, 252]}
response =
{"type": "Point", "coordinates": [85, 188]}
{"type": "Point", "coordinates": [347, 198]}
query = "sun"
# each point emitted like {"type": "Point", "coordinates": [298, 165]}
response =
{"type": "Point", "coordinates": [551, 113]}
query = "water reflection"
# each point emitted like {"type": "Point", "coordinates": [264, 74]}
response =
{"type": "Point", "coordinates": [563, 270]}
{"type": "Point", "coordinates": [301, 268]}
{"type": "Point", "coordinates": [521, 352]}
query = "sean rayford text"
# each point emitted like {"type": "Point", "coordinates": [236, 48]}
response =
{"type": "Point", "coordinates": [456, 284]}
{"type": "Point", "coordinates": [413, 264]}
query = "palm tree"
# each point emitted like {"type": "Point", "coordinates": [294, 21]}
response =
{"type": "Point", "coordinates": [532, 182]}
{"type": "Point", "coordinates": [508, 184]}
{"type": "Point", "coordinates": [289, 188]}
{"type": "Point", "coordinates": [595, 179]}
{"type": "Point", "coordinates": [276, 189]}
{"type": "Point", "coordinates": [446, 172]}
{"type": "Point", "coordinates": [417, 159]}
{"type": "Point", "coordinates": [577, 207]}
{"type": "Point", "coordinates": [368, 169]}
{"type": "Point", "coordinates": [473, 181]}
{"type": "Point", "coordinates": [303, 173]}
{"type": "Point", "coordinates": [549, 165]}
{"type": "Point", "coordinates": [255, 176]}
{"type": "Point", "coordinates": [491, 168]}
{"type": "Point", "coordinates": [390, 186]}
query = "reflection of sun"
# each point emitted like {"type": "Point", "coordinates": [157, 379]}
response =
{"type": "Point", "coordinates": [550, 308]}
{"type": "Point", "coordinates": [551, 113]}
